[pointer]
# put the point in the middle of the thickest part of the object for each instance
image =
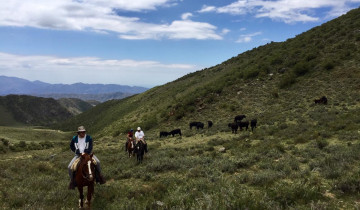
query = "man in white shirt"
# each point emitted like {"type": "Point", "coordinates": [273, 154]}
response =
{"type": "Point", "coordinates": [140, 136]}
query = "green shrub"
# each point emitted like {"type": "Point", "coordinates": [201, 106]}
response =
{"type": "Point", "coordinates": [276, 61]}
{"type": "Point", "coordinates": [291, 193]}
{"type": "Point", "coordinates": [5, 142]}
{"type": "Point", "coordinates": [328, 65]}
{"type": "Point", "coordinates": [348, 184]}
{"type": "Point", "coordinates": [22, 144]}
{"type": "Point", "coordinates": [275, 94]}
{"type": "Point", "coordinates": [46, 144]}
{"type": "Point", "coordinates": [3, 149]}
{"type": "Point", "coordinates": [216, 142]}
{"type": "Point", "coordinates": [321, 143]}
{"type": "Point", "coordinates": [287, 80]}
{"type": "Point", "coordinates": [301, 68]}
{"type": "Point", "coordinates": [251, 73]}
{"type": "Point", "coordinates": [265, 177]}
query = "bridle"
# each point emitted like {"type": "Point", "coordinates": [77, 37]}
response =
{"type": "Point", "coordinates": [88, 176]}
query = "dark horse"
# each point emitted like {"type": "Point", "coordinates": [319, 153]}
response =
{"type": "Point", "coordinates": [85, 176]}
{"type": "Point", "coordinates": [130, 146]}
{"type": "Point", "coordinates": [139, 151]}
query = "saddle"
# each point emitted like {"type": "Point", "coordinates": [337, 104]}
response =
{"type": "Point", "coordinates": [76, 163]}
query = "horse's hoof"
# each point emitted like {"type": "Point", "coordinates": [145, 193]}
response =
{"type": "Point", "coordinates": [80, 204]}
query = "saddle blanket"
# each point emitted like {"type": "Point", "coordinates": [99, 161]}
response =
{"type": "Point", "coordinates": [75, 164]}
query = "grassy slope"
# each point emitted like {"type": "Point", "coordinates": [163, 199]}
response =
{"type": "Point", "coordinates": [322, 61]}
{"type": "Point", "coordinates": [301, 156]}
{"type": "Point", "coordinates": [7, 118]}
{"type": "Point", "coordinates": [32, 110]}
{"type": "Point", "coordinates": [16, 110]}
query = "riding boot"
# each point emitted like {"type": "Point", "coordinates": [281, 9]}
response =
{"type": "Point", "coordinates": [126, 145]}
{"type": "Point", "coordinates": [145, 148]}
{"type": "Point", "coordinates": [72, 184]}
{"type": "Point", "coordinates": [99, 177]}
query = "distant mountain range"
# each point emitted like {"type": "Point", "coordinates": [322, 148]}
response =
{"type": "Point", "coordinates": [99, 92]}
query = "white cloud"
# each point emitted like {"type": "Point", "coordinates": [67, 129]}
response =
{"type": "Point", "coordinates": [225, 31]}
{"type": "Point", "coordinates": [207, 9]}
{"type": "Point", "coordinates": [179, 29]}
{"type": "Point", "coordinates": [247, 37]}
{"type": "Point", "coordinates": [186, 16]}
{"type": "Point", "coordinates": [101, 16]}
{"type": "Point", "coordinates": [91, 70]}
{"type": "Point", "coordinates": [284, 10]}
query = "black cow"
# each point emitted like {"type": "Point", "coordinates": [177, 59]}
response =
{"type": "Point", "coordinates": [193, 124]}
{"type": "Point", "coordinates": [139, 151]}
{"type": "Point", "coordinates": [322, 100]}
{"type": "Point", "coordinates": [239, 118]}
{"type": "Point", "coordinates": [253, 123]}
{"type": "Point", "coordinates": [197, 125]}
{"type": "Point", "coordinates": [234, 127]}
{"type": "Point", "coordinates": [210, 124]}
{"type": "Point", "coordinates": [164, 134]}
{"type": "Point", "coordinates": [174, 132]}
{"type": "Point", "coordinates": [200, 125]}
{"type": "Point", "coordinates": [243, 124]}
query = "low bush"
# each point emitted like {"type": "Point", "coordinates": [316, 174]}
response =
{"type": "Point", "coordinates": [288, 194]}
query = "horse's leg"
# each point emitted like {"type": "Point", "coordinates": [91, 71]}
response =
{"type": "Point", "coordinates": [81, 200]}
{"type": "Point", "coordinates": [90, 193]}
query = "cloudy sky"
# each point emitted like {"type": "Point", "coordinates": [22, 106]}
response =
{"type": "Point", "coordinates": [144, 42]}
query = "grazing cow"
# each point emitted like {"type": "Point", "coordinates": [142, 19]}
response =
{"type": "Point", "coordinates": [234, 127]}
{"type": "Point", "coordinates": [193, 124]}
{"type": "Point", "coordinates": [243, 124]}
{"type": "Point", "coordinates": [253, 123]}
{"type": "Point", "coordinates": [164, 134]}
{"type": "Point", "coordinates": [322, 100]}
{"type": "Point", "coordinates": [174, 132]}
{"type": "Point", "coordinates": [200, 125]}
{"type": "Point", "coordinates": [239, 118]}
{"type": "Point", "coordinates": [210, 124]}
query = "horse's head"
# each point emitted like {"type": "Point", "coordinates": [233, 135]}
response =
{"type": "Point", "coordinates": [87, 166]}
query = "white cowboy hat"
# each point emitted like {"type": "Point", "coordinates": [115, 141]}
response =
{"type": "Point", "coordinates": [81, 129]}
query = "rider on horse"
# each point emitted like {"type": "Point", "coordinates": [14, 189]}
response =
{"type": "Point", "coordinates": [80, 144]}
{"type": "Point", "coordinates": [129, 139]}
{"type": "Point", "coordinates": [140, 136]}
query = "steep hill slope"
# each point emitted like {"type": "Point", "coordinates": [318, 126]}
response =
{"type": "Point", "coordinates": [74, 105]}
{"type": "Point", "coordinates": [275, 83]}
{"type": "Point", "coordinates": [31, 110]}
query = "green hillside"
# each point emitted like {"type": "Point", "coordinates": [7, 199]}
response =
{"type": "Point", "coordinates": [30, 110]}
{"type": "Point", "coordinates": [275, 83]}
{"type": "Point", "coordinates": [302, 155]}
{"type": "Point", "coordinates": [75, 105]}
{"type": "Point", "coordinates": [17, 110]}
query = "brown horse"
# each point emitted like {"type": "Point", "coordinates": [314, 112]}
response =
{"type": "Point", "coordinates": [85, 176]}
{"type": "Point", "coordinates": [130, 146]}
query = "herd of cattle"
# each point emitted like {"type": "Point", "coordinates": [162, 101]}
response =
{"type": "Point", "coordinates": [238, 123]}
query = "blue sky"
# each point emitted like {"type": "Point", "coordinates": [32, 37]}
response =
{"type": "Point", "coordinates": [144, 42]}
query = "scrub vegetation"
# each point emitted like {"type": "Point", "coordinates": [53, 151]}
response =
{"type": "Point", "coordinates": [302, 155]}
